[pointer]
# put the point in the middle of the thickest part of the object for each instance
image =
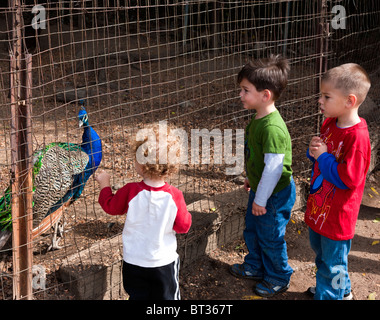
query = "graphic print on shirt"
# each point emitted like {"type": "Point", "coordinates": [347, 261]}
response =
{"type": "Point", "coordinates": [322, 190]}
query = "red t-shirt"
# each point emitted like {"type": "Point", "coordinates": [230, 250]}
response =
{"type": "Point", "coordinates": [332, 211]}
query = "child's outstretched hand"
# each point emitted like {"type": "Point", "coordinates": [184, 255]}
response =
{"type": "Point", "coordinates": [103, 178]}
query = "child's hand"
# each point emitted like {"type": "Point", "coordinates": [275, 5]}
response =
{"type": "Point", "coordinates": [315, 144]}
{"type": "Point", "coordinates": [247, 187]}
{"type": "Point", "coordinates": [103, 178]}
{"type": "Point", "coordinates": [258, 210]}
{"type": "Point", "coordinates": [320, 150]}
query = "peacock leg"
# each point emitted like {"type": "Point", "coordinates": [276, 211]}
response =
{"type": "Point", "coordinates": [4, 236]}
{"type": "Point", "coordinates": [57, 236]}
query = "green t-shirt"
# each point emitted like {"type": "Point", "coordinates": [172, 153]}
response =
{"type": "Point", "coordinates": [267, 135]}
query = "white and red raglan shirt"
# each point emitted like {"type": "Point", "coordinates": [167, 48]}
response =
{"type": "Point", "coordinates": [154, 216]}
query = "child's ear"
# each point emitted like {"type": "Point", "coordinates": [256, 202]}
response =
{"type": "Point", "coordinates": [267, 95]}
{"type": "Point", "coordinates": [351, 100]}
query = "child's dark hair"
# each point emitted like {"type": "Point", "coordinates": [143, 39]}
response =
{"type": "Point", "coordinates": [268, 73]}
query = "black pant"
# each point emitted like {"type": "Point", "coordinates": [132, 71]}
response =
{"type": "Point", "coordinates": [159, 283]}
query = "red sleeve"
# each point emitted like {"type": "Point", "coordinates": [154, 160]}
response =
{"type": "Point", "coordinates": [182, 222]}
{"type": "Point", "coordinates": [114, 204]}
{"type": "Point", "coordinates": [354, 168]}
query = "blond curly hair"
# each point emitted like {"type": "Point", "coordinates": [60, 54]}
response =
{"type": "Point", "coordinates": [154, 151]}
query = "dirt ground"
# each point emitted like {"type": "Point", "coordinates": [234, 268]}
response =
{"type": "Point", "coordinates": [209, 278]}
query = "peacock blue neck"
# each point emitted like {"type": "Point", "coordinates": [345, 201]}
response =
{"type": "Point", "coordinates": [92, 145]}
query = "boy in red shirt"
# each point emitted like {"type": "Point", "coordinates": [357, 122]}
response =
{"type": "Point", "coordinates": [155, 211]}
{"type": "Point", "coordinates": [341, 157]}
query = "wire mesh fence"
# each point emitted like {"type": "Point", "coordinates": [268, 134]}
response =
{"type": "Point", "coordinates": [131, 63]}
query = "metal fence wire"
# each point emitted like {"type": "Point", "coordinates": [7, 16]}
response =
{"type": "Point", "coordinates": [135, 62]}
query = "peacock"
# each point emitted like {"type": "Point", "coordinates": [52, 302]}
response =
{"type": "Point", "coordinates": [60, 173]}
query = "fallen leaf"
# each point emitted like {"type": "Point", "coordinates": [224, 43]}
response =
{"type": "Point", "coordinates": [299, 231]}
{"type": "Point", "coordinates": [372, 296]}
{"type": "Point", "coordinates": [370, 195]}
{"type": "Point", "coordinates": [376, 220]}
{"type": "Point", "coordinates": [292, 221]}
{"type": "Point", "coordinates": [374, 190]}
{"type": "Point", "coordinates": [375, 242]}
{"type": "Point", "coordinates": [254, 297]}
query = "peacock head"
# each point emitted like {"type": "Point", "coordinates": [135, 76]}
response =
{"type": "Point", "coordinates": [83, 117]}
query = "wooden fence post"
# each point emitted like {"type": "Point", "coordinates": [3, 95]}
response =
{"type": "Point", "coordinates": [21, 157]}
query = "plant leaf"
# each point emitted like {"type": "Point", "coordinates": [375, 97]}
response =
{"type": "Point", "coordinates": [372, 296]}
{"type": "Point", "coordinates": [254, 297]}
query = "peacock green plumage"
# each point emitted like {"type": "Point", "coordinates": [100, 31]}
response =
{"type": "Point", "coordinates": [60, 172]}
{"type": "Point", "coordinates": [6, 210]}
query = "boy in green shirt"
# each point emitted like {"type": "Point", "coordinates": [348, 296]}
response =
{"type": "Point", "coordinates": [268, 153]}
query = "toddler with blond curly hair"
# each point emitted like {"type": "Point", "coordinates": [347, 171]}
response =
{"type": "Point", "coordinates": [155, 212]}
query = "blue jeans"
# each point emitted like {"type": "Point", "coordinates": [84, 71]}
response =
{"type": "Point", "coordinates": [333, 281]}
{"type": "Point", "coordinates": [264, 237]}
